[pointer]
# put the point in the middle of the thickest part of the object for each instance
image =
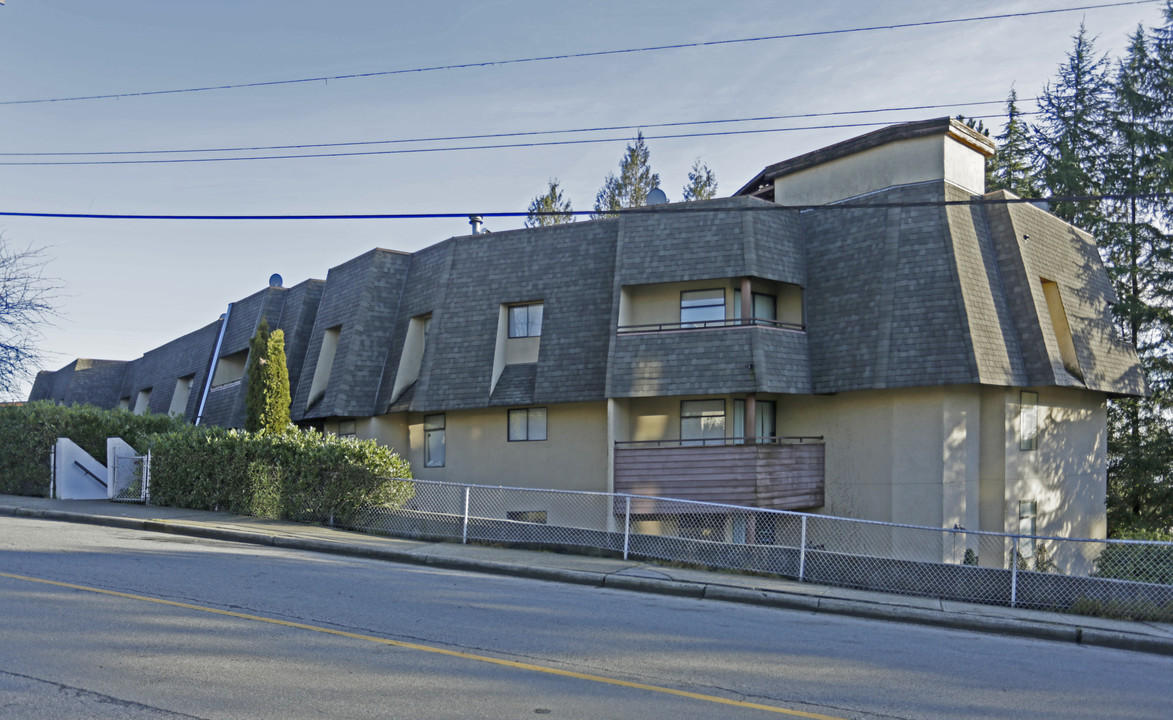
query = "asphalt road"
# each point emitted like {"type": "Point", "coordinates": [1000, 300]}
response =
{"type": "Point", "coordinates": [106, 623]}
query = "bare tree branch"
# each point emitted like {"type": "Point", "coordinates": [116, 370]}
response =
{"type": "Point", "coordinates": [27, 306]}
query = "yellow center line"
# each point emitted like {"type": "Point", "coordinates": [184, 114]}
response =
{"type": "Point", "coordinates": [431, 649]}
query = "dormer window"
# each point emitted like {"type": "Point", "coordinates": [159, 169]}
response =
{"type": "Point", "coordinates": [525, 320]}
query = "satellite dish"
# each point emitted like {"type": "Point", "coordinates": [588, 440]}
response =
{"type": "Point", "coordinates": [274, 280]}
{"type": "Point", "coordinates": [657, 197]}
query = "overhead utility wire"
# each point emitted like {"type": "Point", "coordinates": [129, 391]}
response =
{"type": "Point", "coordinates": [447, 138]}
{"type": "Point", "coordinates": [571, 56]}
{"type": "Point", "coordinates": [410, 151]}
{"type": "Point", "coordinates": [680, 208]}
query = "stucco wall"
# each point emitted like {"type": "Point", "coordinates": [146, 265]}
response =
{"type": "Point", "coordinates": [945, 456]}
{"type": "Point", "coordinates": [899, 163]}
{"type": "Point", "coordinates": [573, 457]}
{"type": "Point", "coordinates": [1066, 474]}
{"type": "Point", "coordinates": [907, 456]}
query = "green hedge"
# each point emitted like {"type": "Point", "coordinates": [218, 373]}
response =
{"type": "Point", "coordinates": [28, 433]}
{"type": "Point", "coordinates": [1143, 563]}
{"type": "Point", "coordinates": [304, 476]}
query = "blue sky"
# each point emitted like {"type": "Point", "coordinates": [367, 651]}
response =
{"type": "Point", "coordinates": [133, 285]}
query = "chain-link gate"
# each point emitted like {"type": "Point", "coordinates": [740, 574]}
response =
{"type": "Point", "coordinates": [131, 478]}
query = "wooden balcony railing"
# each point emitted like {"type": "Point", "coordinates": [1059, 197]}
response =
{"type": "Point", "coordinates": [776, 473]}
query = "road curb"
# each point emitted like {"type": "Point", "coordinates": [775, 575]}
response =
{"type": "Point", "coordinates": [80, 518]}
{"type": "Point", "coordinates": [654, 585]}
{"type": "Point", "coordinates": [1095, 637]}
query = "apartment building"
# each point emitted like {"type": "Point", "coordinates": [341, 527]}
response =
{"type": "Point", "coordinates": [861, 331]}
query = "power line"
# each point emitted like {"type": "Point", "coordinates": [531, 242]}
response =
{"type": "Point", "coordinates": [487, 136]}
{"type": "Point", "coordinates": [678, 208]}
{"type": "Point", "coordinates": [572, 56]}
{"type": "Point", "coordinates": [411, 151]}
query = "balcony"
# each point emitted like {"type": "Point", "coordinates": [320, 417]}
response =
{"type": "Point", "coordinates": [778, 473]}
{"type": "Point", "coordinates": [709, 324]}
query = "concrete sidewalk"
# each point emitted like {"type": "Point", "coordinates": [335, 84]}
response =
{"type": "Point", "coordinates": [607, 572]}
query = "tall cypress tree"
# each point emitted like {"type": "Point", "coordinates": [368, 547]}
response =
{"type": "Point", "coordinates": [258, 368]}
{"type": "Point", "coordinates": [1073, 132]}
{"type": "Point", "coordinates": [275, 418]}
{"type": "Point", "coordinates": [267, 395]}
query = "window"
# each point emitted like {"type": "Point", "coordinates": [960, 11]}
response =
{"type": "Point", "coordinates": [142, 403]}
{"type": "Point", "coordinates": [699, 308]}
{"type": "Point", "coordinates": [326, 353]}
{"type": "Point", "coordinates": [1028, 511]}
{"type": "Point", "coordinates": [527, 424]}
{"type": "Point", "coordinates": [1028, 421]}
{"type": "Point", "coordinates": [179, 397]}
{"type": "Point", "coordinates": [702, 422]}
{"type": "Point", "coordinates": [527, 516]}
{"type": "Point", "coordinates": [229, 368]}
{"type": "Point", "coordinates": [434, 440]}
{"type": "Point", "coordinates": [1061, 328]}
{"type": "Point", "coordinates": [412, 357]}
{"type": "Point", "coordinates": [696, 526]}
{"type": "Point", "coordinates": [764, 422]}
{"type": "Point", "coordinates": [347, 429]}
{"type": "Point", "coordinates": [525, 320]}
{"type": "Point", "coordinates": [765, 307]}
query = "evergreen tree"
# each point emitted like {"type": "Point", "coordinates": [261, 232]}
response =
{"type": "Point", "coordinates": [267, 394]}
{"type": "Point", "coordinates": [1073, 134]}
{"type": "Point", "coordinates": [275, 418]}
{"type": "Point", "coordinates": [550, 202]}
{"type": "Point", "coordinates": [975, 124]}
{"type": "Point", "coordinates": [702, 183]}
{"type": "Point", "coordinates": [1139, 258]}
{"type": "Point", "coordinates": [631, 187]}
{"type": "Point", "coordinates": [254, 396]}
{"type": "Point", "coordinates": [1010, 168]}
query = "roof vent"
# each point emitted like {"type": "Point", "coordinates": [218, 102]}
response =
{"type": "Point", "coordinates": [657, 197]}
{"type": "Point", "coordinates": [275, 280]}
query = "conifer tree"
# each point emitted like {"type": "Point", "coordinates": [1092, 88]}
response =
{"type": "Point", "coordinates": [1072, 135]}
{"type": "Point", "coordinates": [702, 183]}
{"type": "Point", "coordinates": [549, 202]}
{"type": "Point", "coordinates": [631, 187]}
{"type": "Point", "coordinates": [254, 397]}
{"type": "Point", "coordinates": [1139, 258]}
{"type": "Point", "coordinates": [267, 394]}
{"type": "Point", "coordinates": [275, 418]}
{"type": "Point", "coordinates": [1010, 168]}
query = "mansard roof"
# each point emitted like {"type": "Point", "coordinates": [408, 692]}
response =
{"type": "Point", "coordinates": [920, 284]}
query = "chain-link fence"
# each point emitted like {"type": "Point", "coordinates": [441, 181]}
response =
{"type": "Point", "coordinates": [131, 478]}
{"type": "Point", "coordinates": [1109, 577]}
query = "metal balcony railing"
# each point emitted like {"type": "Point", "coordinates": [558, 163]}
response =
{"type": "Point", "coordinates": [711, 324]}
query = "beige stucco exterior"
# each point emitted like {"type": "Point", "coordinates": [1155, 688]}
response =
{"type": "Point", "coordinates": [950, 455]}
{"type": "Point", "coordinates": [899, 163]}
{"type": "Point", "coordinates": [573, 457]}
